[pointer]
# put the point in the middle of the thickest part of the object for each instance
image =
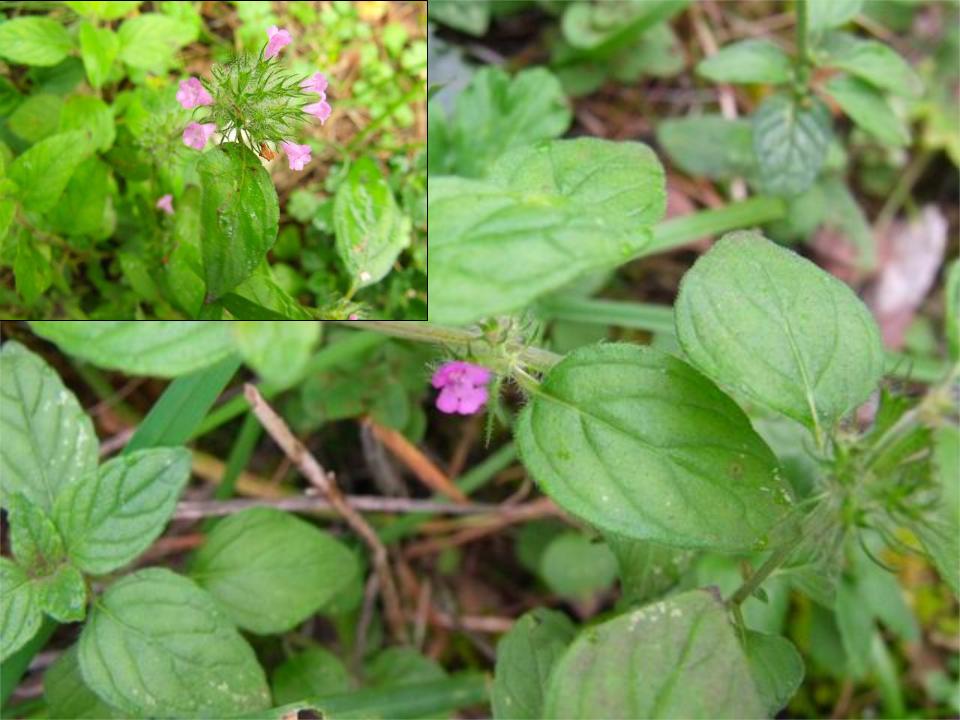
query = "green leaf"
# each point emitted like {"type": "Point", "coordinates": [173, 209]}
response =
{"type": "Point", "coordinates": [82, 206]}
{"type": "Point", "coordinates": [314, 672]}
{"type": "Point", "coordinates": [868, 109]}
{"type": "Point", "coordinates": [149, 42]}
{"type": "Point", "coordinates": [525, 657]}
{"type": "Point", "coordinates": [371, 229]}
{"type": "Point", "coordinates": [790, 142]}
{"type": "Point", "coordinates": [19, 612]}
{"type": "Point", "coordinates": [709, 145]}
{"type": "Point", "coordinates": [63, 594]}
{"type": "Point", "coordinates": [157, 349]}
{"type": "Point", "coordinates": [34, 539]}
{"type": "Point", "coordinates": [647, 570]}
{"type": "Point", "coordinates": [747, 61]}
{"type": "Point", "coordinates": [48, 441]}
{"type": "Point", "coordinates": [36, 117]}
{"type": "Point", "coordinates": [776, 667]}
{"type": "Point", "coordinates": [42, 172]}
{"type": "Point", "coordinates": [952, 303]}
{"type": "Point", "coordinates": [98, 50]}
{"type": "Point", "coordinates": [269, 570]}
{"type": "Point", "coordinates": [260, 298]}
{"type": "Point", "coordinates": [109, 10]}
{"type": "Point", "coordinates": [634, 420]}
{"type": "Point", "coordinates": [400, 666]}
{"type": "Point", "coordinates": [108, 519]}
{"type": "Point", "coordinates": [684, 661]}
{"type": "Point", "coordinates": [825, 14]}
{"type": "Point", "coordinates": [870, 60]}
{"type": "Point", "coordinates": [856, 629]}
{"type": "Point", "coordinates": [199, 665]}
{"type": "Point", "coordinates": [779, 330]}
{"type": "Point", "coordinates": [68, 696]}
{"type": "Point", "coordinates": [34, 40]}
{"type": "Point", "coordinates": [469, 17]}
{"type": "Point", "coordinates": [85, 112]}
{"type": "Point", "coordinates": [239, 216]}
{"type": "Point", "coordinates": [843, 213]}
{"type": "Point", "coordinates": [548, 214]}
{"type": "Point", "coordinates": [497, 113]}
{"type": "Point", "coordinates": [31, 269]}
{"type": "Point", "coordinates": [277, 351]}
{"type": "Point", "coordinates": [939, 531]}
{"type": "Point", "coordinates": [574, 567]}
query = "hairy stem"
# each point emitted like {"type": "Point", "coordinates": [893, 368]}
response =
{"type": "Point", "coordinates": [779, 556]}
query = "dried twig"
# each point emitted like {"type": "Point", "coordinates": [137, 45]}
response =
{"type": "Point", "coordinates": [418, 463]}
{"type": "Point", "coordinates": [195, 509]}
{"type": "Point", "coordinates": [326, 483]}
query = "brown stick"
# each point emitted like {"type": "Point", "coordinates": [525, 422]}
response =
{"type": "Point", "coordinates": [418, 463]}
{"type": "Point", "coordinates": [326, 483]}
{"type": "Point", "coordinates": [196, 509]}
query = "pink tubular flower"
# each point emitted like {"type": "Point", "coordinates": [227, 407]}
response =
{"type": "Point", "coordinates": [320, 110]}
{"type": "Point", "coordinates": [462, 385]}
{"type": "Point", "coordinates": [297, 155]}
{"type": "Point", "coordinates": [166, 204]}
{"type": "Point", "coordinates": [196, 135]}
{"type": "Point", "coordinates": [192, 94]}
{"type": "Point", "coordinates": [316, 83]}
{"type": "Point", "coordinates": [278, 39]}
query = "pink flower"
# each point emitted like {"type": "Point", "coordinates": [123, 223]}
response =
{"type": "Point", "coordinates": [196, 135]}
{"type": "Point", "coordinates": [297, 155]}
{"type": "Point", "coordinates": [192, 94]}
{"type": "Point", "coordinates": [278, 39]}
{"type": "Point", "coordinates": [353, 316]}
{"type": "Point", "coordinates": [316, 83]}
{"type": "Point", "coordinates": [320, 110]}
{"type": "Point", "coordinates": [463, 387]}
{"type": "Point", "coordinates": [166, 204]}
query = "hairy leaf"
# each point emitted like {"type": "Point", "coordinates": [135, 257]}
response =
{"type": "Point", "coordinates": [48, 441]}
{"type": "Point", "coordinates": [313, 673]}
{"type": "Point", "coordinates": [776, 667]}
{"type": "Point", "coordinates": [98, 50]}
{"type": "Point", "coordinates": [84, 112]}
{"type": "Point", "coordinates": [108, 519]}
{"type": "Point", "coordinates": [68, 696]}
{"type": "Point", "coordinates": [239, 216]}
{"type": "Point", "coordinates": [676, 658]}
{"type": "Point", "coordinates": [546, 215]}
{"type": "Point", "coordinates": [157, 645]}
{"type": "Point", "coordinates": [868, 109]}
{"type": "Point", "coordinates": [34, 40]}
{"type": "Point", "coordinates": [825, 14]}
{"type": "Point", "coordinates": [647, 570]}
{"type": "Point", "coordinates": [278, 351]}
{"type": "Point", "coordinates": [270, 570]}
{"type": "Point", "coordinates": [779, 330]}
{"type": "Point", "coordinates": [638, 443]}
{"type": "Point", "coordinates": [63, 594]}
{"type": "Point", "coordinates": [939, 531]}
{"type": "Point", "coordinates": [44, 170]}
{"type": "Point", "coordinates": [525, 657]}
{"type": "Point", "coordinates": [158, 349]}
{"type": "Point", "coordinates": [150, 42]}
{"type": "Point", "coordinates": [573, 566]}
{"type": "Point", "coordinates": [709, 145]}
{"type": "Point", "coordinates": [496, 113]}
{"type": "Point", "coordinates": [747, 61]}
{"type": "Point", "coordinates": [870, 60]}
{"type": "Point", "coordinates": [34, 539]}
{"type": "Point", "coordinates": [370, 227]}
{"type": "Point", "coordinates": [790, 141]}
{"type": "Point", "coordinates": [19, 610]}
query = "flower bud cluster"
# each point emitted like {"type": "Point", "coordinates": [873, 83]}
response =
{"type": "Point", "coordinates": [256, 102]}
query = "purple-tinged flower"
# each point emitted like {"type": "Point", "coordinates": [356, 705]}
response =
{"type": "Point", "coordinates": [463, 387]}
{"type": "Point", "coordinates": [320, 110]}
{"type": "Point", "coordinates": [192, 94]}
{"type": "Point", "coordinates": [279, 39]}
{"type": "Point", "coordinates": [166, 204]}
{"type": "Point", "coordinates": [297, 155]}
{"type": "Point", "coordinates": [353, 316]}
{"type": "Point", "coordinates": [196, 135]}
{"type": "Point", "coordinates": [316, 83]}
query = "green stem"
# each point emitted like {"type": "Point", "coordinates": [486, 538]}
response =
{"type": "Point", "coordinates": [635, 315]}
{"type": "Point", "coordinates": [802, 61]}
{"type": "Point", "coordinates": [680, 231]}
{"type": "Point", "coordinates": [14, 666]}
{"type": "Point", "coordinates": [777, 559]}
